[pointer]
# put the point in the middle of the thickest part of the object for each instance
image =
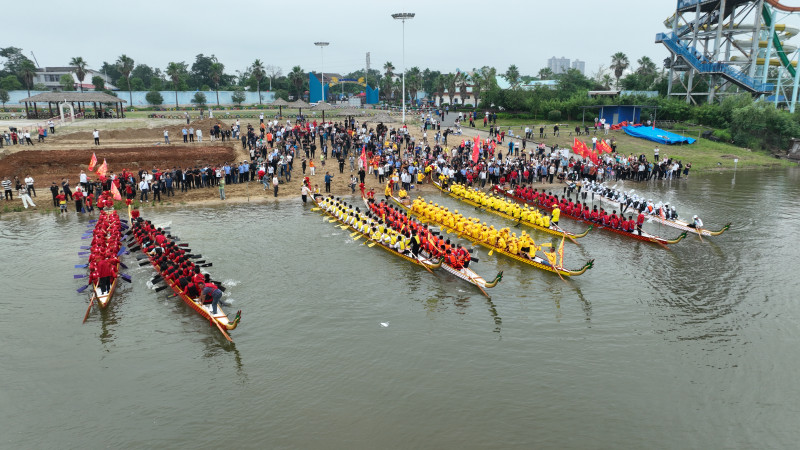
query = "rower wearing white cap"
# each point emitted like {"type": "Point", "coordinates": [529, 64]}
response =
{"type": "Point", "coordinates": [696, 222]}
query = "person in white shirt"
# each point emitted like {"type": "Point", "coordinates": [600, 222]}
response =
{"type": "Point", "coordinates": [199, 134]}
{"type": "Point", "coordinates": [52, 126]}
{"type": "Point", "coordinates": [29, 185]}
{"type": "Point", "coordinates": [96, 136]}
{"type": "Point", "coordinates": [166, 136]}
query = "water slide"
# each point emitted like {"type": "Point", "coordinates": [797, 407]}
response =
{"type": "Point", "coordinates": [777, 5]}
{"type": "Point", "coordinates": [776, 41]}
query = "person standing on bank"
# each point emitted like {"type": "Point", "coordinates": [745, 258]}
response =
{"type": "Point", "coordinates": [54, 191]}
{"type": "Point", "coordinates": [96, 136]}
{"type": "Point", "coordinates": [275, 183]}
{"type": "Point", "coordinates": [29, 185]}
{"type": "Point", "coordinates": [328, 179]}
{"type": "Point", "coordinates": [23, 195]}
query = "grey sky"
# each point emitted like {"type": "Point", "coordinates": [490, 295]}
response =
{"type": "Point", "coordinates": [444, 35]}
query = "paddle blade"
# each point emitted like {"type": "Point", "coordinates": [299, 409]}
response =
{"type": "Point", "coordinates": [156, 279]}
{"type": "Point", "coordinates": [78, 276]}
{"type": "Point", "coordinates": [83, 253]}
{"type": "Point", "coordinates": [184, 244]}
{"type": "Point", "coordinates": [125, 277]}
{"type": "Point", "coordinates": [161, 288]}
{"type": "Point", "coordinates": [85, 247]}
{"type": "Point", "coordinates": [82, 288]}
{"type": "Point", "coordinates": [121, 251]}
{"type": "Point", "coordinates": [81, 266]}
{"type": "Point", "coordinates": [491, 251]}
{"type": "Point", "coordinates": [144, 263]}
{"type": "Point", "coordinates": [86, 236]}
{"type": "Point", "coordinates": [206, 265]}
{"type": "Point", "coordinates": [122, 264]}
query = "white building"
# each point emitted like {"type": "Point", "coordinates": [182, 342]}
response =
{"type": "Point", "coordinates": [558, 65]}
{"type": "Point", "coordinates": [51, 77]}
{"type": "Point", "coordinates": [580, 66]}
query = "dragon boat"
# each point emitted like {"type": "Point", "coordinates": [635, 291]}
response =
{"type": "Point", "coordinates": [645, 237]}
{"type": "Point", "coordinates": [467, 274]}
{"type": "Point", "coordinates": [427, 264]}
{"type": "Point", "coordinates": [534, 261]}
{"type": "Point", "coordinates": [220, 319]}
{"type": "Point", "coordinates": [553, 229]}
{"type": "Point", "coordinates": [104, 298]}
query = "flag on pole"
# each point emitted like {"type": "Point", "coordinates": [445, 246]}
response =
{"type": "Point", "coordinates": [561, 251]}
{"type": "Point", "coordinates": [103, 169]}
{"type": "Point", "coordinates": [603, 146]}
{"type": "Point", "coordinates": [364, 157]}
{"type": "Point", "coordinates": [92, 162]}
{"type": "Point", "coordinates": [115, 193]}
{"type": "Point", "coordinates": [476, 148]}
{"type": "Point", "coordinates": [577, 147]}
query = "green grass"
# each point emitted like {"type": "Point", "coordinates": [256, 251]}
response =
{"type": "Point", "coordinates": [704, 155]}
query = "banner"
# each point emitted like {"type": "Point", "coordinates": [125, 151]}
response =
{"type": "Point", "coordinates": [92, 162]}
{"type": "Point", "coordinates": [117, 196]}
{"type": "Point", "coordinates": [103, 169]}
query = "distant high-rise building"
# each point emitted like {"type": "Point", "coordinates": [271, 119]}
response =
{"type": "Point", "coordinates": [558, 65]}
{"type": "Point", "coordinates": [580, 66]}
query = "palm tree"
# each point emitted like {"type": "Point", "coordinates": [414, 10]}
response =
{"type": "Point", "coordinates": [388, 76]}
{"type": "Point", "coordinates": [80, 69]}
{"type": "Point", "coordinates": [438, 86]}
{"type": "Point", "coordinates": [27, 71]}
{"type": "Point", "coordinates": [215, 70]}
{"type": "Point", "coordinates": [297, 79]}
{"type": "Point", "coordinates": [646, 66]}
{"type": "Point", "coordinates": [258, 73]}
{"type": "Point", "coordinates": [463, 82]}
{"type": "Point", "coordinates": [450, 84]}
{"type": "Point", "coordinates": [125, 67]}
{"type": "Point", "coordinates": [413, 82]}
{"type": "Point", "coordinates": [483, 78]}
{"type": "Point", "coordinates": [174, 71]}
{"type": "Point", "coordinates": [606, 81]}
{"type": "Point", "coordinates": [619, 62]}
{"type": "Point", "coordinates": [512, 76]}
{"type": "Point", "coordinates": [545, 74]}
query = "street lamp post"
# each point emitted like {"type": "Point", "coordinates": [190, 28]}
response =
{"type": "Point", "coordinates": [403, 17]}
{"type": "Point", "coordinates": [322, 46]}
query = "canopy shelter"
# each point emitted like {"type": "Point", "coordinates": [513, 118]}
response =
{"type": "Point", "coordinates": [280, 103]}
{"type": "Point", "coordinates": [300, 105]}
{"type": "Point", "coordinates": [322, 106]}
{"type": "Point", "coordinates": [80, 98]}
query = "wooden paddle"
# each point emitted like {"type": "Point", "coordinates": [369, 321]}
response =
{"type": "Point", "coordinates": [91, 302]}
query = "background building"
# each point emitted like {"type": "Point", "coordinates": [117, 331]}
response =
{"type": "Point", "coordinates": [51, 77]}
{"type": "Point", "coordinates": [580, 66]}
{"type": "Point", "coordinates": [558, 65]}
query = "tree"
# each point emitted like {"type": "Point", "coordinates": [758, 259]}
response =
{"type": "Point", "coordinates": [273, 72]}
{"type": "Point", "coordinates": [646, 66]}
{"type": "Point", "coordinates": [413, 82]}
{"type": "Point", "coordinates": [4, 97]}
{"type": "Point", "coordinates": [79, 65]}
{"type": "Point", "coordinates": [450, 85]}
{"type": "Point", "coordinates": [27, 71]}
{"type": "Point", "coordinates": [99, 83]}
{"type": "Point", "coordinates": [238, 96]}
{"type": "Point", "coordinates": [619, 62]}
{"type": "Point", "coordinates": [606, 81]}
{"type": "Point", "coordinates": [174, 71]}
{"type": "Point", "coordinates": [125, 67]}
{"type": "Point", "coordinates": [388, 81]}
{"type": "Point", "coordinates": [545, 74]}
{"type": "Point", "coordinates": [438, 86]}
{"type": "Point", "coordinates": [258, 73]}
{"type": "Point", "coordinates": [512, 76]}
{"type": "Point", "coordinates": [137, 84]}
{"type": "Point", "coordinates": [297, 80]}
{"type": "Point", "coordinates": [154, 98]}
{"type": "Point", "coordinates": [483, 78]}
{"type": "Point", "coordinates": [66, 82]}
{"type": "Point", "coordinates": [10, 83]}
{"type": "Point", "coordinates": [462, 82]}
{"type": "Point", "coordinates": [14, 61]}
{"type": "Point", "coordinates": [216, 70]}
{"type": "Point", "coordinates": [145, 73]}
{"type": "Point", "coordinates": [199, 99]}
{"type": "Point", "coordinates": [200, 73]}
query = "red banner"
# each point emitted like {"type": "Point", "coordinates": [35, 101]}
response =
{"type": "Point", "coordinates": [103, 169]}
{"type": "Point", "coordinates": [92, 162]}
{"type": "Point", "coordinates": [115, 192]}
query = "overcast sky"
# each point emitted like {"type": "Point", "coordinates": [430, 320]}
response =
{"type": "Point", "coordinates": [445, 35]}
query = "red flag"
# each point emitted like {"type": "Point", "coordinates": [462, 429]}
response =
{"type": "Point", "coordinates": [475, 153]}
{"type": "Point", "coordinates": [603, 146]}
{"type": "Point", "coordinates": [101, 171]}
{"type": "Point", "coordinates": [92, 162]}
{"type": "Point", "coordinates": [364, 157]}
{"type": "Point", "coordinates": [115, 192]}
{"type": "Point", "coordinates": [577, 147]}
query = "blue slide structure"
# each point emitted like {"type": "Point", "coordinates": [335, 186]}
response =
{"type": "Point", "coordinates": [703, 65]}
{"type": "Point", "coordinates": [657, 135]}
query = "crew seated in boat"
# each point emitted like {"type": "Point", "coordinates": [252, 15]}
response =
{"type": "Point", "coordinates": [696, 222]}
{"type": "Point", "coordinates": [191, 290]}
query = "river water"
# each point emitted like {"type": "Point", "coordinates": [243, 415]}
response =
{"type": "Point", "coordinates": [690, 347]}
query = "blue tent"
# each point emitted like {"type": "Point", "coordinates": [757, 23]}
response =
{"type": "Point", "coordinates": [657, 135]}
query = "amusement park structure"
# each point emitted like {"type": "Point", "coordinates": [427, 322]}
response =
{"type": "Point", "coordinates": [733, 44]}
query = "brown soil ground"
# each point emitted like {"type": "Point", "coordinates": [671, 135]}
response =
{"type": "Point", "coordinates": [151, 134]}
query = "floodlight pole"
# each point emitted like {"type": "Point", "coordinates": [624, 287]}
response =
{"type": "Point", "coordinates": [403, 17]}
{"type": "Point", "coordinates": [322, 46]}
